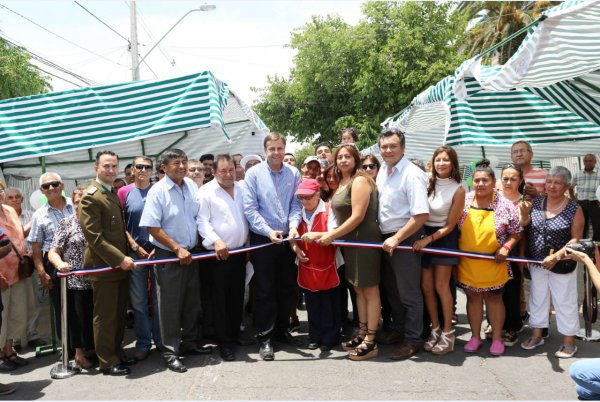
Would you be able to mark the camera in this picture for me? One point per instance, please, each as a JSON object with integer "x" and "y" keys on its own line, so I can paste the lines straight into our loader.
{"x": 585, "y": 246}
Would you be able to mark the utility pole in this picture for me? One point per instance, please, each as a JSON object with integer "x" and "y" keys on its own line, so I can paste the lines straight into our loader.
{"x": 133, "y": 45}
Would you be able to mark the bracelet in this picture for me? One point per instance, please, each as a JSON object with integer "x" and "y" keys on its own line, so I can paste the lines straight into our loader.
{"x": 433, "y": 237}
{"x": 507, "y": 246}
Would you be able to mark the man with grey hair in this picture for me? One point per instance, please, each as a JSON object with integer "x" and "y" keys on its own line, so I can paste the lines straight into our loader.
{"x": 43, "y": 225}
{"x": 587, "y": 182}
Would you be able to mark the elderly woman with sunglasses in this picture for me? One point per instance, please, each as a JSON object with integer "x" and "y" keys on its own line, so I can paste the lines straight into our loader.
{"x": 555, "y": 221}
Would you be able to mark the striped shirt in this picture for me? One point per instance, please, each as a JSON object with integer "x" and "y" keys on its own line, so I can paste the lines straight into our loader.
{"x": 537, "y": 177}
{"x": 269, "y": 200}
{"x": 45, "y": 221}
{"x": 586, "y": 184}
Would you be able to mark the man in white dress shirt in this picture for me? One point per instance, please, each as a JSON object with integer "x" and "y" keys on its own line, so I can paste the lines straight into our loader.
{"x": 403, "y": 209}
{"x": 223, "y": 226}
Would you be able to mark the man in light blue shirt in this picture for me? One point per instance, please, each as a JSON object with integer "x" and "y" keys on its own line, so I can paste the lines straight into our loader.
{"x": 170, "y": 216}
{"x": 273, "y": 213}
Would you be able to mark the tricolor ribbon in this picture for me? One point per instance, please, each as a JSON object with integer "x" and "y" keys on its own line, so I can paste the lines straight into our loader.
{"x": 339, "y": 243}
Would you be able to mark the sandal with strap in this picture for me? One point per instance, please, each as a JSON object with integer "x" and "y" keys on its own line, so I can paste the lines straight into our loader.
{"x": 433, "y": 339}
{"x": 357, "y": 340}
{"x": 366, "y": 350}
{"x": 445, "y": 344}
{"x": 566, "y": 351}
{"x": 16, "y": 359}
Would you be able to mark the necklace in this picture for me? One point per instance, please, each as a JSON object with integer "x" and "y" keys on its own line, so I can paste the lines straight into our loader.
{"x": 562, "y": 204}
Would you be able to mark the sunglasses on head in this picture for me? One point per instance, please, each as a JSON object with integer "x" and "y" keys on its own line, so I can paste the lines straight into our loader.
{"x": 54, "y": 184}
{"x": 369, "y": 166}
{"x": 141, "y": 166}
{"x": 195, "y": 169}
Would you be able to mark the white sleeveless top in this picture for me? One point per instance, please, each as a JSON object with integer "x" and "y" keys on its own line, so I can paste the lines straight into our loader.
{"x": 440, "y": 201}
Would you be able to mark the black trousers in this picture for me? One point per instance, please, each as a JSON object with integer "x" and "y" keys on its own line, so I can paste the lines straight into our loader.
{"x": 275, "y": 274}
{"x": 228, "y": 280}
{"x": 591, "y": 212}
{"x": 54, "y": 292}
{"x": 512, "y": 300}
{"x": 80, "y": 315}
{"x": 324, "y": 321}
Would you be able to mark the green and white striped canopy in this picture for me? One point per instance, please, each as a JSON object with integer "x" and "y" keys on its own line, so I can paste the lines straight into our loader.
{"x": 547, "y": 93}
{"x": 54, "y": 123}
{"x": 197, "y": 113}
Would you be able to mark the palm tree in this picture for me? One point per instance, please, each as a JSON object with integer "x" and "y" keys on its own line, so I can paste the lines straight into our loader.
{"x": 495, "y": 21}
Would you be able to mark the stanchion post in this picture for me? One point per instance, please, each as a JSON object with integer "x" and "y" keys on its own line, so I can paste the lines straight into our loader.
{"x": 62, "y": 369}
{"x": 587, "y": 333}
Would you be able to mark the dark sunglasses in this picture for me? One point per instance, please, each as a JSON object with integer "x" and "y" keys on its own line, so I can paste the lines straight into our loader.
{"x": 140, "y": 166}
{"x": 54, "y": 184}
{"x": 369, "y": 166}
{"x": 305, "y": 197}
{"x": 195, "y": 169}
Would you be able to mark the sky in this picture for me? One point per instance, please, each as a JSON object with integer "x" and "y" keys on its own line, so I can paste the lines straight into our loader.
{"x": 241, "y": 42}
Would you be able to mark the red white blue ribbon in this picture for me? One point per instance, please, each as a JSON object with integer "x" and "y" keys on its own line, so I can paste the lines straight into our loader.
{"x": 339, "y": 243}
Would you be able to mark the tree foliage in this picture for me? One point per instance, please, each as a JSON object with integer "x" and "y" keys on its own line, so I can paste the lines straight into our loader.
{"x": 497, "y": 21}
{"x": 347, "y": 75}
{"x": 18, "y": 77}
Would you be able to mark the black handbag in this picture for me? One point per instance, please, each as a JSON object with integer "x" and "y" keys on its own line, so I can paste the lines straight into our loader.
{"x": 26, "y": 265}
{"x": 561, "y": 267}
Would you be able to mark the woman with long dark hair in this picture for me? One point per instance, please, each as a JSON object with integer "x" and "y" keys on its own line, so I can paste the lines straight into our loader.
{"x": 355, "y": 204}
{"x": 446, "y": 202}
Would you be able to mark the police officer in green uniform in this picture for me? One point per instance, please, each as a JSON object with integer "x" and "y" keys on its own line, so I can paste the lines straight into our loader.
{"x": 101, "y": 218}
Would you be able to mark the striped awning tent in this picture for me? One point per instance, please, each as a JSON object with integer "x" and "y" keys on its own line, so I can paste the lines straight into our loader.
{"x": 548, "y": 93}
{"x": 198, "y": 113}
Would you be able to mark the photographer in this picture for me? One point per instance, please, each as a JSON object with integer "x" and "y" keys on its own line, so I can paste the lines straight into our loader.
{"x": 586, "y": 373}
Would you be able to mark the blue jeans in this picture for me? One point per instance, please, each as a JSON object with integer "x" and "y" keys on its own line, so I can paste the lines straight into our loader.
{"x": 146, "y": 329}
{"x": 586, "y": 374}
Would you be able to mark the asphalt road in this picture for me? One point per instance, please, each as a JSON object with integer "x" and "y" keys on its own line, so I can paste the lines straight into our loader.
{"x": 302, "y": 374}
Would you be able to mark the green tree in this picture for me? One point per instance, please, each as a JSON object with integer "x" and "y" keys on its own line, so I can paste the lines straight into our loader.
{"x": 346, "y": 75}
{"x": 18, "y": 77}
{"x": 498, "y": 20}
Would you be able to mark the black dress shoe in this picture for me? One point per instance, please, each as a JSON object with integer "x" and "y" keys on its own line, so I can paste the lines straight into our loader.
{"x": 313, "y": 346}
{"x": 34, "y": 343}
{"x": 326, "y": 348}
{"x": 227, "y": 353}
{"x": 174, "y": 364}
{"x": 200, "y": 350}
{"x": 119, "y": 369}
{"x": 288, "y": 339}
{"x": 266, "y": 350}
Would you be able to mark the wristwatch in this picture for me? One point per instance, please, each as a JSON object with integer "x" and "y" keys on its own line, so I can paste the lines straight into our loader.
{"x": 135, "y": 249}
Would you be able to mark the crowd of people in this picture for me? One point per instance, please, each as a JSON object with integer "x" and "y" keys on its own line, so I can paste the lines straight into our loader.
{"x": 297, "y": 219}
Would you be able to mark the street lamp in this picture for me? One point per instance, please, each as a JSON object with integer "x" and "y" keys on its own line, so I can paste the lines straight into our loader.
{"x": 136, "y": 64}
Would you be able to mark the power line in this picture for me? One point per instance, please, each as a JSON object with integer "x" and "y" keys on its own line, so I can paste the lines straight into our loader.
{"x": 61, "y": 37}
{"x": 99, "y": 20}
{"x": 56, "y": 76}
{"x": 161, "y": 48}
{"x": 49, "y": 63}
